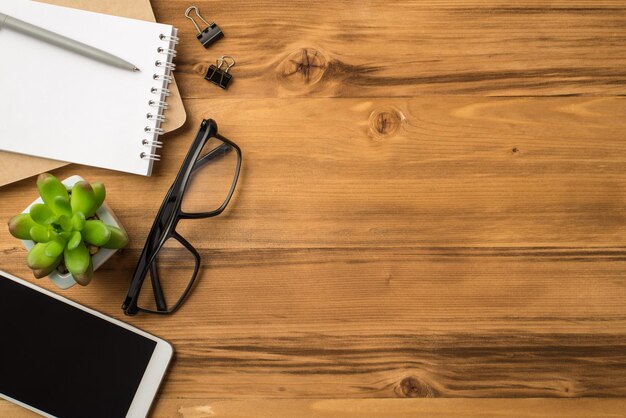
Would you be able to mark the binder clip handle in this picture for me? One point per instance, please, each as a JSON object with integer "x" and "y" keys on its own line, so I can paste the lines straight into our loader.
{"x": 228, "y": 60}
{"x": 210, "y": 34}
{"x": 188, "y": 11}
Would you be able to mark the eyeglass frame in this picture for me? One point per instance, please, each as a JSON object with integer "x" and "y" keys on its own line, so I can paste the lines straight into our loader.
{"x": 168, "y": 216}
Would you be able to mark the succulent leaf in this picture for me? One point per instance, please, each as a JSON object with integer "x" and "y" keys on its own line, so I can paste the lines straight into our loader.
{"x": 77, "y": 260}
{"x": 37, "y": 258}
{"x": 84, "y": 278}
{"x": 75, "y": 239}
{"x": 61, "y": 206}
{"x": 40, "y": 233}
{"x": 99, "y": 192}
{"x": 96, "y": 233}
{"x": 20, "y": 225}
{"x": 83, "y": 199}
{"x": 51, "y": 188}
{"x": 39, "y": 273}
{"x": 65, "y": 222}
{"x": 78, "y": 221}
{"x": 42, "y": 214}
{"x": 118, "y": 238}
{"x": 55, "y": 247}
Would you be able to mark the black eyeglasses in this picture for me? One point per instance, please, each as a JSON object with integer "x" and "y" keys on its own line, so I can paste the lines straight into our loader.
{"x": 169, "y": 264}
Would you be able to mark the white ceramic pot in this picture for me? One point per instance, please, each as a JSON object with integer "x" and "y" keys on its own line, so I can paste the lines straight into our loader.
{"x": 65, "y": 281}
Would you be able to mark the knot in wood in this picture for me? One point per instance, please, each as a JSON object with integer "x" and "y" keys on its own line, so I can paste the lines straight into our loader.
{"x": 384, "y": 122}
{"x": 201, "y": 68}
{"x": 411, "y": 387}
{"x": 305, "y": 66}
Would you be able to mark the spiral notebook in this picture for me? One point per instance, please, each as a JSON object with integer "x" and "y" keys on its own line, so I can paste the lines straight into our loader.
{"x": 59, "y": 105}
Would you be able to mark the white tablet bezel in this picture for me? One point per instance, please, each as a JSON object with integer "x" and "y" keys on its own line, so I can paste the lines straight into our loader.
{"x": 151, "y": 380}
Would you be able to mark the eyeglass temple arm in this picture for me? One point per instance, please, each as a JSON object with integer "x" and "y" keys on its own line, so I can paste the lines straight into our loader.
{"x": 212, "y": 155}
{"x": 159, "y": 297}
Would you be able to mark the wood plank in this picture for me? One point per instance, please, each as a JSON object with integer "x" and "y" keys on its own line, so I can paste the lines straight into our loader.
{"x": 389, "y": 323}
{"x": 435, "y": 171}
{"x": 361, "y": 48}
{"x": 352, "y": 408}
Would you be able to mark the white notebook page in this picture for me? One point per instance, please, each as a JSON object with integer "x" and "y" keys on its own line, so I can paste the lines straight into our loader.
{"x": 60, "y": 105}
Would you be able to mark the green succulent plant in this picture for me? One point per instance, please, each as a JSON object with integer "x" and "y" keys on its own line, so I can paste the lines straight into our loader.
{"x": 63, "y": 226}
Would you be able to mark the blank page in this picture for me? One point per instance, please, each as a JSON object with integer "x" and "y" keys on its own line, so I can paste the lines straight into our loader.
{"x": 60, "y": 105}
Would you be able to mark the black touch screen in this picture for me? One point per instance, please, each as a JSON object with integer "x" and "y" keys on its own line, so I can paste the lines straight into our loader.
{"x": 65, "y": 361}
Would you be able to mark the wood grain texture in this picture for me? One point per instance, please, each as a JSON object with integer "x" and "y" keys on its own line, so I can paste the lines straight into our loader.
{"x": 431, "y": 206}
{"x": 357, "y": 408}
{"x": 349, "y": 408}
{"x": 431, "y": 261}
{"x": 408, "y": 48}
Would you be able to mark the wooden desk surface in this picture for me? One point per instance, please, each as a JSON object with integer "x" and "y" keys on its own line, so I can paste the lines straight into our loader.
{"x": 432, "y": 205}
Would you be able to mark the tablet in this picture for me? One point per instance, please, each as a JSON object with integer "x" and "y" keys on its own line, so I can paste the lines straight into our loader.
{"x": 61, "y": 359}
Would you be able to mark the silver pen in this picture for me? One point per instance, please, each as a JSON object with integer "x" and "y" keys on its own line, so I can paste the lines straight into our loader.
{"x": 64, "y": 42}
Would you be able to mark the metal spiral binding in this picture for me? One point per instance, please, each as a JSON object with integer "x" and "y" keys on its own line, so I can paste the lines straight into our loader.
{"x": 158, "y": 131}
{"x": 167, "y": 51}
{"x": 149, "y": 143}
{"x": 158, "y": 104}
{"x": 170, "y": 66}
{"x": 160, "y": 91}
{"x": 167, "y": 38}
{"x": 167, "y": 78}
{"x": 159, "y": 118}
{"x": 148, "y": 156}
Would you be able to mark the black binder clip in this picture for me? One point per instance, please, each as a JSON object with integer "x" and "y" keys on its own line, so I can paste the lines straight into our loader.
{"x": 208, "y": 36}
{"x": 220, "y": 77}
